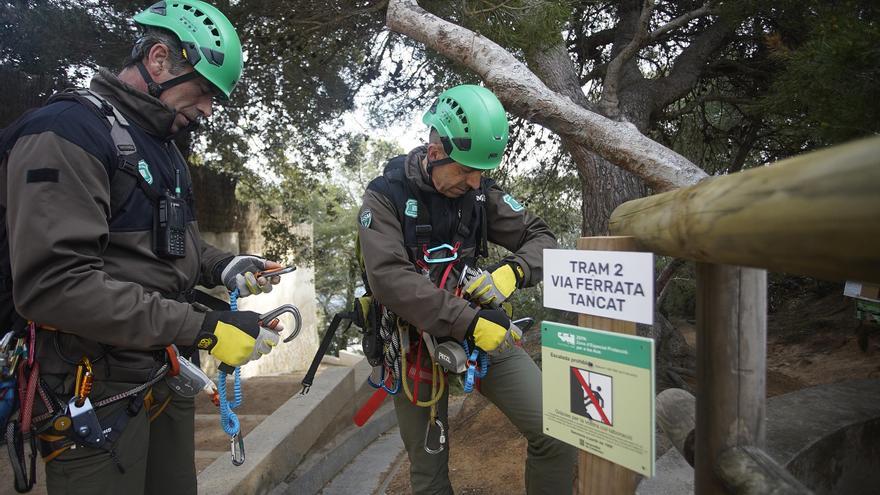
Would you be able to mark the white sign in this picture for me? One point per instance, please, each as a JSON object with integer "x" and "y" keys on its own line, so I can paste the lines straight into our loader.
{"x": 610, "y": 284}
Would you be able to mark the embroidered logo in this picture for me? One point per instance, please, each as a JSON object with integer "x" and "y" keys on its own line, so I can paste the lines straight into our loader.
{"x": 366, "y": 218}
{"x": 412, "y": 208}
{"x": 514, "y": 204}
{"x": 144, "y": 169}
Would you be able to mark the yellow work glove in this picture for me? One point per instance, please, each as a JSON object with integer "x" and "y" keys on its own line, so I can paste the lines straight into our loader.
{"x": 236, "y": 337}
{"x": 491, "y": 328}
{"x": 493, "y": 287}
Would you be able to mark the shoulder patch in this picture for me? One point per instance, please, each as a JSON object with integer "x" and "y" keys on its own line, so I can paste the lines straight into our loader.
{"x": 144, "y": 169}
{"x": 366, "y": 218}
{"x": 513, "y": 203}
{"x": 412, "y": 208}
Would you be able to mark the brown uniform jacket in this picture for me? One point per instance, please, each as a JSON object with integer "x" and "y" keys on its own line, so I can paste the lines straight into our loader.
{"x": 73, "y": 267}
{"x": 394, "y": 280}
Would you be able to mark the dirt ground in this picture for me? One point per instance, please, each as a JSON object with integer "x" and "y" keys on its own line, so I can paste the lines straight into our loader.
{"x": 812, "y": 340}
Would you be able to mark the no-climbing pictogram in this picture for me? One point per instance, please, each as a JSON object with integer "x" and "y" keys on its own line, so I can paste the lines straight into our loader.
{"x": 592, "y": 395}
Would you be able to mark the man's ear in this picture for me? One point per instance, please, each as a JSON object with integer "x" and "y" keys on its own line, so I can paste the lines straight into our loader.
{"x": 436, "y": 152}
{"x": 157, "y": 58}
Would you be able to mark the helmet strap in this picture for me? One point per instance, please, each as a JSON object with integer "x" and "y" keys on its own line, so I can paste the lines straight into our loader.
{"x": 437, "y": 163}
{"x": 155, "y": 89}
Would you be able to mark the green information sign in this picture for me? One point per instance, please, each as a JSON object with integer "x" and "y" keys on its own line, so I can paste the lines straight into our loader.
{"x": 599, "y": 393}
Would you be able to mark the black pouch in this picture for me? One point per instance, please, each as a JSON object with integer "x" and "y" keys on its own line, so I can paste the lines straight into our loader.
{"x": 169, "y": 227}
{"x": 367, "y": 311}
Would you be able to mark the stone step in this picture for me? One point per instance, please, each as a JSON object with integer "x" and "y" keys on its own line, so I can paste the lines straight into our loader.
{"x": 325, "y": 464}
{"x": 277, "y": 445}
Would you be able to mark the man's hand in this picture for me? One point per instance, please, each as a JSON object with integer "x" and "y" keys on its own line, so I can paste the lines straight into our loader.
{"x": 240, "y": 272}
{"x": 493, "y": 287}
{"x": 492, "y": 328}
{"x": 237, "y": 337}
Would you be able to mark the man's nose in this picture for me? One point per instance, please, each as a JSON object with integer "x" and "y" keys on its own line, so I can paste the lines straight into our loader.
{"x": 206, "y": 106}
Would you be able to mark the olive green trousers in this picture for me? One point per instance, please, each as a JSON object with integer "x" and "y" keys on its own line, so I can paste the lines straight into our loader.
{"x": 158, "y": 457}
{"x": 514, "y": 385}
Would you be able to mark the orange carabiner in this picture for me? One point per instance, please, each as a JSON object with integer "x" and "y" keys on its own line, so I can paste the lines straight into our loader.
{"x": 84, "y": 376}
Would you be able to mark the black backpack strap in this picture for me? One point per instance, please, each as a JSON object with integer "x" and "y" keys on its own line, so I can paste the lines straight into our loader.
{"x": 127, "y": 156}
{"x": 483, "y": 248}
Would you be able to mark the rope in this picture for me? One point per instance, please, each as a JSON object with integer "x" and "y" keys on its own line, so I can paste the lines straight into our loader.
{"x": 391, "y": 350}
{"x": 472, "y": 373}
{"x": 228, "y": 420}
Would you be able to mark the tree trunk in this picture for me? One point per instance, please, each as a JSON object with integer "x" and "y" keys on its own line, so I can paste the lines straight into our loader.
{"x": 604, "y": 187}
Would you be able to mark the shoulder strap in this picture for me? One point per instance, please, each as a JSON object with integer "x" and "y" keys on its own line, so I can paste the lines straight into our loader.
{"x": 414, "y": 216}
{"x": 127, "y": 157}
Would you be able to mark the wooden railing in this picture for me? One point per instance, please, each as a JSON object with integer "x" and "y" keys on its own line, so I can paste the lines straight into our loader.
{"x": 816, "y": 214}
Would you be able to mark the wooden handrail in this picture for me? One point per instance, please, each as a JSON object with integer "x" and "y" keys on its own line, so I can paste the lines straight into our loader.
{"x": 815, "y": 214}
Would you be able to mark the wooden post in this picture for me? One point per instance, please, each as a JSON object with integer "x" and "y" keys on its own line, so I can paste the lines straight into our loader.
{"x": 595, "y": 475}
{"x": 731, "y": 366}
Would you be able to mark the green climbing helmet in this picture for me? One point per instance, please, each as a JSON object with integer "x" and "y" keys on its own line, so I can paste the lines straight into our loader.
{"x": 209, "y": 40}
{"x": 472, "y": 124}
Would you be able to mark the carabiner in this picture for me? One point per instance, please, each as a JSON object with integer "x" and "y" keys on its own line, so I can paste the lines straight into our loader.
{"x": 280, "y": 310}
{"x": 237, "y": 454}
{"x": 440, "y": 260}
{"x": 441, "y": 438}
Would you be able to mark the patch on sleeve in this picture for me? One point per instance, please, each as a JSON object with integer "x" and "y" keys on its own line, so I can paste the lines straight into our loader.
{"x": 514, "y": 204}
{"x": 42, "y": 175}
{"x": 366, "y": 218}
{"x": 412, "y": 208}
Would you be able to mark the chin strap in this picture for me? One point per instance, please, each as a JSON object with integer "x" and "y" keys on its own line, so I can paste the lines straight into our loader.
{"x": 155, "y": 89}
{"x": 437, "y": 163}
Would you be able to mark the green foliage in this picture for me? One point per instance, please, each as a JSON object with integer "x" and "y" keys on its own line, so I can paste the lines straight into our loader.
{"x": 828, "y": 89}
{"x": 334, "y": 216}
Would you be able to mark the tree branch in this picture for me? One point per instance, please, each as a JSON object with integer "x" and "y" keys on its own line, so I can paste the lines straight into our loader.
{"x": 610, "y": 104}
{"x": 526, "y": 96}
{"x": 693, "y": 104}
{"x": 681, "y": 21}
{"x": 689, "y": 65}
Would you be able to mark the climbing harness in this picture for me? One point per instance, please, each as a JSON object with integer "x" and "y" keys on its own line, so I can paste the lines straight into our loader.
{"x": 64, "y": 425}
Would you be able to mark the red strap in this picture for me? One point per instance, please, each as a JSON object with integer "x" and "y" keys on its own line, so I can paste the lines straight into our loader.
{"x": 419, "y": 374}
{"x": 415, "y": 395}
{"x": 366, "y": 411}
{"x": 27, "y": 394}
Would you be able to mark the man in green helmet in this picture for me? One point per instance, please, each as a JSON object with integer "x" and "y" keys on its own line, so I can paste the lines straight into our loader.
{"x": 424, "y": 225}
{"x": 104, "y": 253}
